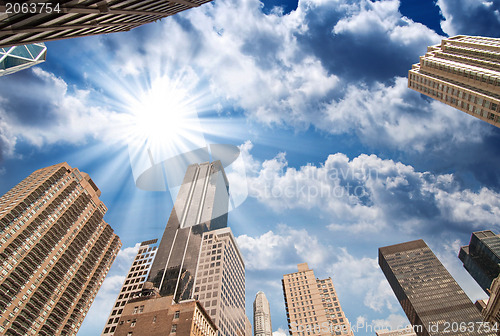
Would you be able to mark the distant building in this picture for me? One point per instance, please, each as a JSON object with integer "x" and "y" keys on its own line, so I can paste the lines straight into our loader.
{"x": 262, "y": 316}
{"x": 133, "y": 283}
{"x": 399, "y": 332}
{"x": 463, "y": 72}
{"x": 428, "y": 294}
{"x": 312, "y": 305}
{"x": 44, "y": 20}
{"x": 154, "y": 315}
{"x": 481, "y": 258}
{"x": 55, "y": 249}
{"x": 13, "y": 59}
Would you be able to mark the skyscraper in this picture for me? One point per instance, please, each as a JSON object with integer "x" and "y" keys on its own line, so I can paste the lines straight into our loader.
{"x": 203, "y": 193}
{"x": 262, "y": 316}
{"x": 481, "y": 258}
{"x": 41, "y": 21}
{"x": 428, "y": 294}
{"x": 463, "y": 72}
{"x": 55, "y": 251}
{"x": 133, "y": 283}
{"x": 312, "y": 305}
{"x": 13, "y": 59}
{"x": 220, "y": 282}
{"x": 198, "y": 258}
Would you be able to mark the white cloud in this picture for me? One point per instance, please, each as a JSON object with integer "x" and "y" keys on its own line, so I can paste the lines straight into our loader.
{"x": 280, "y": 250}
{"x": 362, "y": 276}
{"x": 62, "y": 115}
{"x": 470, "y": 17}
{"x": 280, "y": 332}
{"x": 368, "y": 193}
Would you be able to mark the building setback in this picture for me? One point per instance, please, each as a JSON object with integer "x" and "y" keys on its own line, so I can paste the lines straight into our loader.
{"x": 312, "y": 305}
{"x": 432, "y": 300}
{"x": 463, "y": 72}
{"x": 154, "y": 315}
{"x": 481, "y": 258}
{"x": 262, "y": 316}
{"x": 54, "y": 20}
{"x": 55, "y": 250}
{"x": 133, "y": 283}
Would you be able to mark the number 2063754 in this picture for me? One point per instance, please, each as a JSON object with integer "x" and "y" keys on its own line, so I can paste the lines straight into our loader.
{"x": 32, "y": 8}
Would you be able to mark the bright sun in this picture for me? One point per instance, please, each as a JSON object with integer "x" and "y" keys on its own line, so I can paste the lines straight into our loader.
{"x": 165, "y": 119}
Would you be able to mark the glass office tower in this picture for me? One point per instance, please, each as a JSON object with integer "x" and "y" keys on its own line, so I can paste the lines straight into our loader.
{"x": 481, "y": 258}
{"x": 432, "y": 300}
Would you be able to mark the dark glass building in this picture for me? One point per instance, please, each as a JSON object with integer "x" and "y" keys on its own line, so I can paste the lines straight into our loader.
{"x": 432, "y": 300}
{"x": 481, "y": 258}
{"x": 201, "y": 206}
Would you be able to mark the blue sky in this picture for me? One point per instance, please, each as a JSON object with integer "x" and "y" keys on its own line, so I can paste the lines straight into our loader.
{"x": 341, "y": 157}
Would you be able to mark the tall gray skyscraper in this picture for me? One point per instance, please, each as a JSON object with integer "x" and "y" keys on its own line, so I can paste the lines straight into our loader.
{"x": 432, "y": 300}
{"x": 201, "y": 206}
{"x": 262, "y": 316}
{"x": 481, "y": 258}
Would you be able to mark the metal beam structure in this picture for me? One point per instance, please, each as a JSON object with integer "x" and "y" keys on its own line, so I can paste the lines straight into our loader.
{"x": 77, "y": 18}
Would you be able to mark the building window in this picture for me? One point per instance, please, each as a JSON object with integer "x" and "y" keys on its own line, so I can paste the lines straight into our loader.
{"x": 176, "y": 315}
{"x": 133, "y": 323}
{"x": 174, "y": 328}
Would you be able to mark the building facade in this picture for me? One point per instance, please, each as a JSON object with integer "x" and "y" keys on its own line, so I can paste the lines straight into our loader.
{"x": 54, "y": 20}
{"x": 55, "y": 251}
{"x": 312, "y": 305}
{"x": 491, "y": 312}
{"x": 13, "y": 59}
{"x": 428, "y": 294}
{"x": 220, "y": 282}
{"x": 154, "y": 315}
{"x": 481, "y": 258}
{"x": 204, "y": 191}
{"x": 197, "y": 257}
{"x": 262, "y": 316}
{"x": 463, "y": 72}
{"x": 133, "y": 283}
